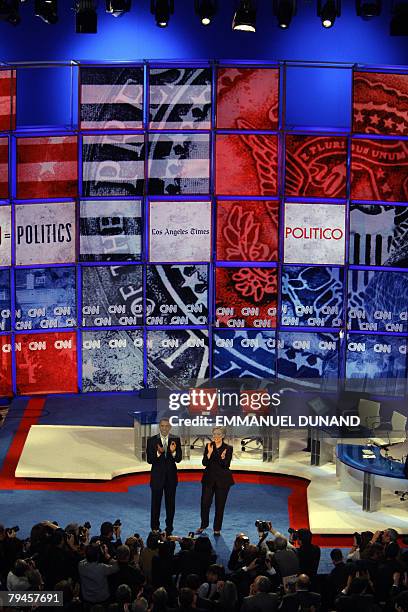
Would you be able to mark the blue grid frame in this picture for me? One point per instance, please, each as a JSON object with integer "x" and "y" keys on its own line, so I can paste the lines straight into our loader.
{"x": 283, "y": 129}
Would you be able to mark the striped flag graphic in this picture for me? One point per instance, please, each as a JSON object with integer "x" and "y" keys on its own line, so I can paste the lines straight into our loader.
{"x": 113, "y": 165}
{"x": 111, "y": 230}
{"x": 7, "y": 100}
{"x": 179, "y": 164}
{"x": 111, "y": 98}
{"x": 4, "y": 188}
{"x": 180, "y": 98}
{"x": 47, "y": 167}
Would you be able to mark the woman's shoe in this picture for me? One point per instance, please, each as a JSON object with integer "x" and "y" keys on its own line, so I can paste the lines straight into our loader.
{"x": 217, "y": 533}
{"x": 200, "y": 530}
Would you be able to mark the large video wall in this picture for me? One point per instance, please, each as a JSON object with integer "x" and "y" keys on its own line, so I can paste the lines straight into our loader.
{"x": 181, "y": 228}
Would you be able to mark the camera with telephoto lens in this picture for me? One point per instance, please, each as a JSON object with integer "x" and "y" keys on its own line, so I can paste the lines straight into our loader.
{"x": 83, "y": 531}
{"x": 8, "y": 530}
{"x": 262, "y": 526}
{"x": 117, "y": 523}
{"x": 293, "y": 534}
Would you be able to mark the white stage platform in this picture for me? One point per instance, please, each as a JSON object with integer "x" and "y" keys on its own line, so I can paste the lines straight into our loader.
{"x": 102, "y": 453}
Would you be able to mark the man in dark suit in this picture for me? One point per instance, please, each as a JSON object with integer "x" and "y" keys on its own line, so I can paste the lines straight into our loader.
{"x": 260, "y": 598}
{"x": 163, "y": 452}
{"x": 302, "y": 599}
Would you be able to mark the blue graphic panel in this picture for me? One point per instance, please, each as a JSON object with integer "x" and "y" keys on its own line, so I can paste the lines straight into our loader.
{"x": 312, "y": 296}
{"x": 246, "y": 353}
{"x": 5, "y": 303}
{"x": 376, "y": 364}
{"x": 45, "y": 298}
{"x": 377, "y": 301}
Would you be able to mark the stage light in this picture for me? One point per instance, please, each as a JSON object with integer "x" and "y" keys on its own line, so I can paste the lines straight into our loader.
{"x": 328, "y": 10}
{"x": 368, "y": 8}
{"x": 162, "y": 9}
{"x": 9, "y": 11}
{"x": 206, "y": 10}
{"x": 86, "y": 17}
{"x": 284, "y": 11}
{"x": 47, "y": 10}
{"x": 245, "y": 17}
{"x": 399, "y": 19}
{"x": 117, "y": 8}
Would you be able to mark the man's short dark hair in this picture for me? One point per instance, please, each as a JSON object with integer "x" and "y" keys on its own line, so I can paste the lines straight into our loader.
{"x": 92, "y": 553}
{"x": 123, "y": 553}
{"x": 305, "y": 536}
{"x": 106, "y": 528}
{"x": 20, "y": 568}
{"x": 336, "y": 555}
{"x": 218, "y": 570}
{"x": 186, "y": 597}
{"x": 263, "y": 584}
{"x": 193, "y": 582}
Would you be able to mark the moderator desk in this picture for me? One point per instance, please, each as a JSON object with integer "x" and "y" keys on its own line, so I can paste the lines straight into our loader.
{"x": 356, "y": 472}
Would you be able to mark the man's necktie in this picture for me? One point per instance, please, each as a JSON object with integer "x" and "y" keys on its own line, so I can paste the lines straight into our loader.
{"x": 165, "y": 445}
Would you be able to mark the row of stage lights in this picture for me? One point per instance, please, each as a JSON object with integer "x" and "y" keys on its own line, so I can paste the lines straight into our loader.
{"x": 244, "y": 18}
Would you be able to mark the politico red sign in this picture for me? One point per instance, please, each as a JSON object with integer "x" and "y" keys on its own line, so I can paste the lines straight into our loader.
{"x": 314, "y": 233}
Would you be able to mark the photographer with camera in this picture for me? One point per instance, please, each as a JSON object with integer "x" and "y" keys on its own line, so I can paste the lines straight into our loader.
{"x": 61, "y": 562}
{"x": 11, "y": 548}
{"x": 108, "y": 532}
{"x": 94, "y": 571}
{"x": 308, "y": 553}
{"x": 127, "y": 574}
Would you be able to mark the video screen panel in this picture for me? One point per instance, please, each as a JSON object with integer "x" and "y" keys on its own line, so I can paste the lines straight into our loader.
{"x": 177, "y": 295}
{"x": 111, "y": 98}
{"x": 378, "y": 235}
{"x": 36, "y": 356}
{"x": 176, "y": 357}
{"x": 112, "y": 360}
{"x": 112, "y": 295}
{"x": 246, "y": 297}
{"x": 376, "y": 364}
{"x": 314, "y": 233}
{"x": 47, "y": 167}
{"x": 377, "y": 301}
{"x": 244, "y": 354}
{"x": 45, "y": 233}
{"x": 4, "y": 172}
{"x": 5, "y": 235}
{"x": 380, "y": 103}
{"x": 179, "y": 231}
{"x": 311, "y": 359}
{"x": 312, "y": 296}
{"x": 7, "y": 100}
{"x": 379, "y": 169}
{"x": 45, "y": 298}
{"x": 111, "y": 230}
{"x": 246, "y": 165}
{"x": 5, "y": 301}
{"x": 180, "y": 98}
{"x": 247, "y": 230}
{"x": 6, "y": 385}
{"x": 179, "y": 164}
{"x": 316, "y": 166}
{"x": 113, "y": 165}
{"x": 248, "y": 98}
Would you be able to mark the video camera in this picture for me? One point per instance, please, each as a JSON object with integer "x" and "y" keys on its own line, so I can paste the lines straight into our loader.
{"x": 262, "y": 526}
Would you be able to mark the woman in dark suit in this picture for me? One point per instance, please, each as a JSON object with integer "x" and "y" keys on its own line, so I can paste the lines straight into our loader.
{"x": 217, "y": 480}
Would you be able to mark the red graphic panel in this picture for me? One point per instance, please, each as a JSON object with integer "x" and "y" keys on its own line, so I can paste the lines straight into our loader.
{"x": 247, "y": 231}
{"x": 4, "y": 189}
{"x": 6, "y": 389}
{"x": 316, "y": 166}
{"x": 379, "y": 170}
{"x": 380, "y": 103}
{"x": 246, "y": 297}
{"x": 7, "y": 100}
{"x": 247, "y": 98}
{"x": 46, "y": 363}
{"x": 246, "y": 164}
{"x": 47, "y": 167}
